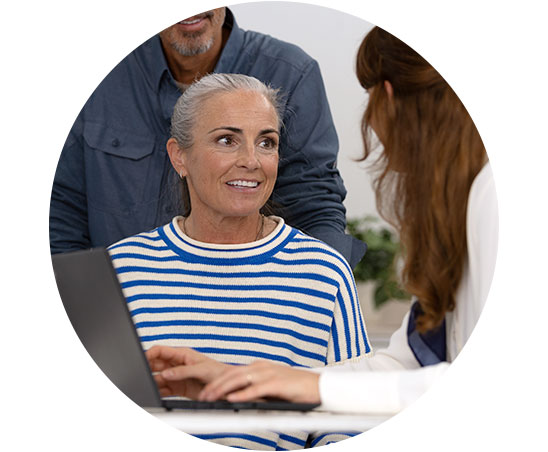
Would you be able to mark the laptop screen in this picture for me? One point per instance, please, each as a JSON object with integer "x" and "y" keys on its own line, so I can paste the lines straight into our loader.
{"x": 96, "y": 307}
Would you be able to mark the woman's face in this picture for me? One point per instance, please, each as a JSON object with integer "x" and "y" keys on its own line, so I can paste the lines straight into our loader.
{"x": 231, "y": 167}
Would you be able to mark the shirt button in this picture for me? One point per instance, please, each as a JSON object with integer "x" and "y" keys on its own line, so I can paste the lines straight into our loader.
{"x": 116, "y": 142}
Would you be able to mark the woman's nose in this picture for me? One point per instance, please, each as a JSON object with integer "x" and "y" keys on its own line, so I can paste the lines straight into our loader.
{"x": 248, "y": 157}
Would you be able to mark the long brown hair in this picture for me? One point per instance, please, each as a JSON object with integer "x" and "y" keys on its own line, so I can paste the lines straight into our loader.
{"x": 432, "y": 153}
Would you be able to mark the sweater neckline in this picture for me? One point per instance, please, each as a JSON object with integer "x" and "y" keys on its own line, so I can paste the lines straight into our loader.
{"x": 193, "y": 250}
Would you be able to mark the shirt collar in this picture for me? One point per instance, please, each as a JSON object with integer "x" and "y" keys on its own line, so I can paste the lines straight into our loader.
{"x": 155, "y": 62}
{"x": 232, "y": 46}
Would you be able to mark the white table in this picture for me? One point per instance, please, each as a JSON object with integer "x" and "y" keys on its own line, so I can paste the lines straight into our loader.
{"x": 210, "y": 421}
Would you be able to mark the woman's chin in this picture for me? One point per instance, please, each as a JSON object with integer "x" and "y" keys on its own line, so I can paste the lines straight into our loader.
{"x": 244, "y": 210}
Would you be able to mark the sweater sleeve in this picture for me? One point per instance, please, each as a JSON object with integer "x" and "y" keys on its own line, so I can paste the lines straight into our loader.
{"x": 348, "y": 343}
{"x": 348, "y": 339}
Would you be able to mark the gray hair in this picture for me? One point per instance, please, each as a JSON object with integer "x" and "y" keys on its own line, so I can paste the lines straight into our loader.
{"x": 188, "y": 105}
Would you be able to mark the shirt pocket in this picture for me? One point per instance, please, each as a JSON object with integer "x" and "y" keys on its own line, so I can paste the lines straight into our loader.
{"x": 123, "y": 170}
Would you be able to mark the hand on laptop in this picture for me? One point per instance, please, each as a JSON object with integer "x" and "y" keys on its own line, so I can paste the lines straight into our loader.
{"x": 182, "y": 371}
{"x": 188, "y": 373}
{"x": 263, "y": 379}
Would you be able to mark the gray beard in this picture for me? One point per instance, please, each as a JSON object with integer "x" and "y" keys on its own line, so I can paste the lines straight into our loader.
{"x": 193, "y": 50}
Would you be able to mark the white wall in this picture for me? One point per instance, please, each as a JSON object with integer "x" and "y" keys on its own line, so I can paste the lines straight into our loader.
{"x": 332, "y": 38}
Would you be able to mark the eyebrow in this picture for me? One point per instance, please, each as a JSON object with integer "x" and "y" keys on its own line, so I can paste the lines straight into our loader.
{"x": 236, "y": 130}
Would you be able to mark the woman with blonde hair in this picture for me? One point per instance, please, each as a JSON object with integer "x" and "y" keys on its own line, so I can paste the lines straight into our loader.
{"x": 434, "y": 184}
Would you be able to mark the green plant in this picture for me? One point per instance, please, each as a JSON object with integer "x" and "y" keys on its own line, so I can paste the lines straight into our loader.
{"x": 378, "y": 264}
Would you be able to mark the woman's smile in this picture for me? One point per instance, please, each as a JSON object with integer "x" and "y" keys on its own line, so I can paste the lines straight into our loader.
{"x": 243, "y": 184}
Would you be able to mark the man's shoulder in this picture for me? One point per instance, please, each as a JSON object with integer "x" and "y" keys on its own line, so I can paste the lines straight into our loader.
{"x": 267, "y": 47}
{"x": 140, "y": 65}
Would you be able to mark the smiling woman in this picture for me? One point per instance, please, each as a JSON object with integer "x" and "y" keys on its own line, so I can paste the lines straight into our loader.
{"x": 223, "y": 278}
{"x": 231, "y": 163}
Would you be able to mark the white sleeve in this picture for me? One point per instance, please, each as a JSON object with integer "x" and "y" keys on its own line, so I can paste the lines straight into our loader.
{"x": 482, "y": 235}
{"x": 375, "y": 392}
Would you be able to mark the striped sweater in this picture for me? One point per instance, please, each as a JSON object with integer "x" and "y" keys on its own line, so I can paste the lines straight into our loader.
{"x": 287, "y": 298}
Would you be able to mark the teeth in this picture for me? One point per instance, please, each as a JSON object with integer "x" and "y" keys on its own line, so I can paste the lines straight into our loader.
{"x": 190, "y": 22}
{"x": 242, "y": 183}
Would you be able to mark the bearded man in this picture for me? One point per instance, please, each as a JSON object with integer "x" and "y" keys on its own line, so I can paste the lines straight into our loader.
{"x": 114, "y": 178}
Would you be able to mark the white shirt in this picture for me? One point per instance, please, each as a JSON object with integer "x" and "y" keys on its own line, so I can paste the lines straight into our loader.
{"x": 398, "y": 378}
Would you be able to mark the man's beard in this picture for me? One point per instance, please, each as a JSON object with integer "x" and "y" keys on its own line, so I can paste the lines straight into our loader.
{"x": 193, "y": 47}
{"x": 193, "y": 43}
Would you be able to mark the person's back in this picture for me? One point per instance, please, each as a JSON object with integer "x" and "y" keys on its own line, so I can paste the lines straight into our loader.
{"x": 436, "y": 187}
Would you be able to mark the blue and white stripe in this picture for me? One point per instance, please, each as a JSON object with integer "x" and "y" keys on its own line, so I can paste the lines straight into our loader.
{"x": 287, "y": 298}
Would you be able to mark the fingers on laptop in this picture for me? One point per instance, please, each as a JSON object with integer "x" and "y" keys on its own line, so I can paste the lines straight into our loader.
{"x": 174, "y": 356}
{"x": 247, "y": 379}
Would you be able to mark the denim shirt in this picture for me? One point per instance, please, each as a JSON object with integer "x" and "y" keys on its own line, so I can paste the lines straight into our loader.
{"x": 114, "y": 178}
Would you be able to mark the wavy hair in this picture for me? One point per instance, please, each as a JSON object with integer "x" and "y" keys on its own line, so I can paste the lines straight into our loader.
{"x": 432, "y": 153}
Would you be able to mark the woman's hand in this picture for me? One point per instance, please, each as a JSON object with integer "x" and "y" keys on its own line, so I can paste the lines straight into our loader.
{"x": 182, "y": 371}
{"x": 263, "y": 379}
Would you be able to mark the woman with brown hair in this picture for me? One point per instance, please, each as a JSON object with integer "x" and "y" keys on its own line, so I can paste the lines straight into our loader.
{"x": 434, "y": 184}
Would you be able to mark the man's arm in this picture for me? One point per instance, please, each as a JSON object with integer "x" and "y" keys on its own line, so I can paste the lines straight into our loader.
{"x": 309, "y": 186}
{"x": 68, "y": 226}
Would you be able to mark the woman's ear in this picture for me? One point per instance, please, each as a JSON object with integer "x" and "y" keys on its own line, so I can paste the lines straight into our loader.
{"x": 176, "y": 156}
{"x": 389, "y": 90}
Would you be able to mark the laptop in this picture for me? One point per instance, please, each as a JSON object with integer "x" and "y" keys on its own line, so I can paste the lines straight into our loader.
{"x": 97, "y": 309}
